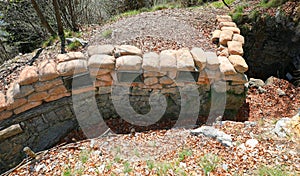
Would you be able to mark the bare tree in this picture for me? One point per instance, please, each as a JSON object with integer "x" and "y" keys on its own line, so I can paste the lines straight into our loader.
{"x": 59, "y": 25}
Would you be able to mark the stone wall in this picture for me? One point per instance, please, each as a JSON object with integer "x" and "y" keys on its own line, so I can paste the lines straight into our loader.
{"x": 58, "y": 95}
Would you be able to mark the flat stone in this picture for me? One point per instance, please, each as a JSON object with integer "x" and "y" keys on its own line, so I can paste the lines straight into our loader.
{"x": 38, "y": 96}
{"x": 17, "y": 91}
{"x": 225, "y": 66}
{"x": 156, "y": 86}
{"x": 3, "y": 104}
{"x": 235, "y": 30}
{"x": 224, "y": 18}
{"x": 100, "y": 49}
{"x": 72, "y": 67}
{"x": 27, "y": 106}
{"x": 151, "y": 81}
{"x": 10, "y": 131}
{"x": 213, "y": 62}
{"x": 154, "y": 74}
{"x": 199, "y": 57}
{"x": 47, "y": 70}
{"x": 105, "y": 78}
{"x": 83, "y": 90}
{"x": 28, "y": 75}
{"x": 124, "y": 50}
{"x": 151, "y": 62}
{"x": 57, "y": 97}
{"x": 129, "y": 63}
{"x": 237, "y": 78}
{"x": 168, "y": 61}
{"x": 46, "y": 85}
{"x": 97, "y": 72}
{"x": 227, "y": 24}
{"x": 239, "y": 63}
{"x": 166, "y": 80}
{"x": 102, "y": 61}
{"x": 216, "y": 36}
{"x": 58, "y": 90}
{"x": 235, "y": 48}
{"x": 238, "y": 38}
{"x": 185, "y": 61}
{"x": 13, "y": 103}
{"x": 98, "y": 83}
{"x": 5, "y": 115}
{"x": 104, "y": 90}
{"x": 70, "y": 56}
{"x": 225, "y": 36}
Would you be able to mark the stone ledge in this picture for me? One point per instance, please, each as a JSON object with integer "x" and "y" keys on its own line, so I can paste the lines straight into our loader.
{"x": 10, "y": 131}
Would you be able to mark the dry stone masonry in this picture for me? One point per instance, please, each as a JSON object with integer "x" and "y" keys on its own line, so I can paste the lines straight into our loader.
{"x": 37, "y": 109}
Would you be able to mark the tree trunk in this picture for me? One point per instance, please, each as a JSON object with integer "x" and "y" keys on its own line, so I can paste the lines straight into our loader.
{"x": 42, "y": 18}
{"x": 59, "y": 26}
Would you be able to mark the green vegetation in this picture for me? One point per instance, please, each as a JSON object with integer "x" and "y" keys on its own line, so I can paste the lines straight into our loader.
{"x": 150, "y": 164}
{"x": 67, "y": 172}
{"x": 272, "y": 171}
{"x": 127, "y": 167}
{"x": 107, "y": 33}
{"x": 209, "y": 162}
{"x": 272, "y": 3}
{"x": 74, "y": 46}
{"x": 184, "y": 153}
{"x": 220, "y": 4}
{"x": 84, "y": 156}
{"x": 50, "y": 41}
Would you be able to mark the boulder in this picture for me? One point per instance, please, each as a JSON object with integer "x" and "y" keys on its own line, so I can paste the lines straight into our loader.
{"x": 238, "y": 78}
{"x": 213, "y": 62}
{"x": 225, "y": 66}
{"x": 168, "y": 61}
{"x": 166, "y": 80}
{"x": 124, "y": 50}
{"x": 227, "y": 24}
{"x": 235, "y": 48}
{"x": 129, "y": 63}
{"x": 102, "y": 61}
{"x": 216, "y": 36}
{"x": 199, "y": 57}
{"x": 224, "y": 18}
{"x": 70, "y": 56}
{"x": 239, "y": 63}
{"x": 185, "y": 61}
{"x": 225, "y": 36}
{"x": 72, "y": 67}
{"x": 28, "y": 75}
{"x": 151, "y": 62}
{"x": 235, "y": 30}
{"x": 238, "y": 38}
{"x": 47, "y": 70}
{"x": 256, "y": 83}
{"x": 101, "y": 49}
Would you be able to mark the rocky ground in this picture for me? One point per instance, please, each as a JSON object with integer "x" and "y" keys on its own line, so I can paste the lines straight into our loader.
{"x": 250, "y": 148}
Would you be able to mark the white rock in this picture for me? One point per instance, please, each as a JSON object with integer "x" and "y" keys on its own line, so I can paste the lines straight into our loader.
{"x": 251, "y": 143}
